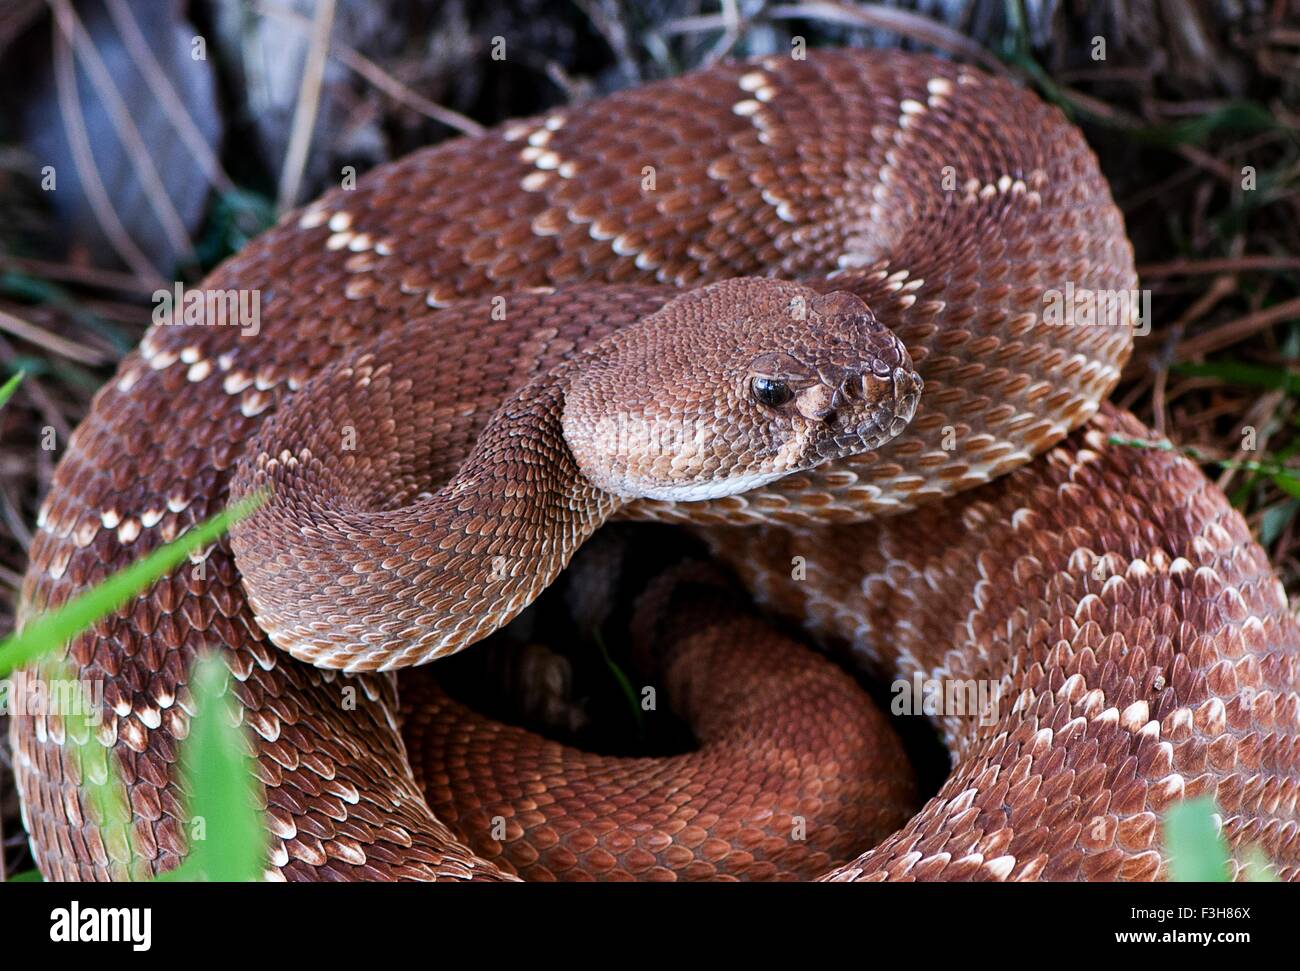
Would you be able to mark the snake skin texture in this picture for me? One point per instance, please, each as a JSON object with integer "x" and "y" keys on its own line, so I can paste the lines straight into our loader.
{"x": 367, "y": 555}
{"x": 1148, "y": 654}
{"x": 1141, "y": 648}
{"x": 727, "y": 810}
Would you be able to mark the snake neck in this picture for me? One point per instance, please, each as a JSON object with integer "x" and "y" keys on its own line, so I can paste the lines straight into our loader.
{"x": 360, "y": 520}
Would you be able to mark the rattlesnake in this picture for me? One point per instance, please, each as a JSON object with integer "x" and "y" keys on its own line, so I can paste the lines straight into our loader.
{"x": 469, "y": 360}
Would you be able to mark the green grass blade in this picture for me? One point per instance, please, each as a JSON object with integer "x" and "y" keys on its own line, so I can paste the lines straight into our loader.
{"x": 1244, "y": 374}
{"x": 624, "y": 684}
{"x": 102, "y": 785}
{"x": 27, "y": 876}
{"x": 226, "y": 837}
{"x": 49, "y": 631}
{"x": 68, "y": 704}
{"x": 1285, "y": 478}
{"x": 9, "y": 387}
{"x": 1288, "y": 482}
{"x": 1274, "y": 520}
{"x": 1237, "y": 117}
{"x": 227, "y": 840}
{"x": 187, "y": 872}
{"x": 1258, "y": 869}
{"x": 1197, "y": 853}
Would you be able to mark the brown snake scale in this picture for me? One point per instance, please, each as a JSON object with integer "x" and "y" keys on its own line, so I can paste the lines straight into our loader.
{"x": 454, "y": 362}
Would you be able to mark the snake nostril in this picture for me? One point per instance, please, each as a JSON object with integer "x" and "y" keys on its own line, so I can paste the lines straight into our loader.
{"x": 852, "y": 387}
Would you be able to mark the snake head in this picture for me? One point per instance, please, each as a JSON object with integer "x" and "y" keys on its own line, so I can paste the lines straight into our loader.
{"x": 735, "y": 385}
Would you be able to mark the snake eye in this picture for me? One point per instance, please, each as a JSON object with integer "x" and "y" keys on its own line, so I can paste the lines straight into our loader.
{"x": 771, "y": 392}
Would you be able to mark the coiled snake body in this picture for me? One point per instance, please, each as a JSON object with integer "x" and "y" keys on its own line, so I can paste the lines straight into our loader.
{"x": 469, "y": 361}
